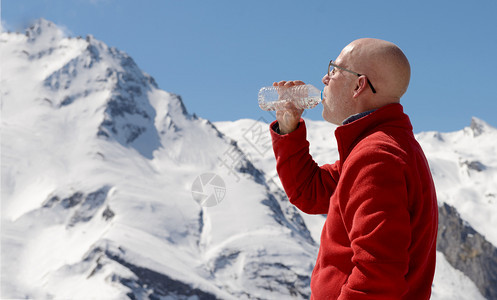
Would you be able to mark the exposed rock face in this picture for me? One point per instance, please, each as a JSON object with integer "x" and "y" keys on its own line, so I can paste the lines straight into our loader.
{"x": 467, "y": 250}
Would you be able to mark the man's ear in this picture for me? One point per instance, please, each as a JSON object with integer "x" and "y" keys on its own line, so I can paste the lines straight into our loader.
{"x": 361, "y": 86}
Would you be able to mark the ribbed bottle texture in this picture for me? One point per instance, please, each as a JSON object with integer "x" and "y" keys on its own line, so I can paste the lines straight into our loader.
{"x": 275, "y": 97}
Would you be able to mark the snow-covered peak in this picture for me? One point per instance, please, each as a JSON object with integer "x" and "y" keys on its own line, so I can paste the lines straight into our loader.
{"x": 479, "y": 127}
{"x": 44, "y": 33}
{"x": 48, "y": 70}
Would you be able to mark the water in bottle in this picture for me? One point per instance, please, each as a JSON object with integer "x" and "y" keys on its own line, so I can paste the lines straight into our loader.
{"x": 302, "y": 96}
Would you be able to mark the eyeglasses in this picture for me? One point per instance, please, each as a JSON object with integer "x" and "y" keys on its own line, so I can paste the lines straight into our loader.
{"x": 332, "y": 65}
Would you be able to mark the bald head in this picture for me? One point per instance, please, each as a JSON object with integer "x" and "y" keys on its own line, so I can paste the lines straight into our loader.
{"x": 383, "y": 62}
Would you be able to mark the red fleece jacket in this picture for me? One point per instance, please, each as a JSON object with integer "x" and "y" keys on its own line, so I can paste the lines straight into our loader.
{"x": 379, "y": 238}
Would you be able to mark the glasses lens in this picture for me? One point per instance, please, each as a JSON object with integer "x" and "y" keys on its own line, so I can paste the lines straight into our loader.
{"x": 330, "y": 69}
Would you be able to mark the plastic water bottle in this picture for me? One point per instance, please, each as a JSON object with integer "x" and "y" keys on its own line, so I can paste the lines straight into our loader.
{"x": 302, "y": 96}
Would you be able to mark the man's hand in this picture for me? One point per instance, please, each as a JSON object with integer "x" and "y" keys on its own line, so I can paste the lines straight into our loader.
{"x": 289, "y": 117}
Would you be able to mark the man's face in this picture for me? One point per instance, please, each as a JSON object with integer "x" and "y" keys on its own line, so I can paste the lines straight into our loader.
{"x": 337, "y": 94}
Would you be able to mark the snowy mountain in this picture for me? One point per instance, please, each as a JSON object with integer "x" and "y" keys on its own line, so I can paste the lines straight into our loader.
{"x": 103, "y": 174}
{"x": 98, "y": 165}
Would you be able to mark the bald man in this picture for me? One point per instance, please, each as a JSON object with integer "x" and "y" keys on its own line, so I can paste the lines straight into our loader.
{"x": 379, "y": 238}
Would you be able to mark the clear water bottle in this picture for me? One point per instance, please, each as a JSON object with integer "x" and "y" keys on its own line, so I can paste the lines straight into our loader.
{"x": 275, "y": 97}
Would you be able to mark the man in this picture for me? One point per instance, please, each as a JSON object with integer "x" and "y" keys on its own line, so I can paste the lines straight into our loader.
{"x": 379, "y": 238}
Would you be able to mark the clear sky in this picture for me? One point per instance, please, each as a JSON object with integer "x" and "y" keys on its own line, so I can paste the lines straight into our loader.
{"x": 217, "y": 54}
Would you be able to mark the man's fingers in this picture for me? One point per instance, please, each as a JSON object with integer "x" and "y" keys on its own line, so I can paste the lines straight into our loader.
{"x": 288, "y": 83}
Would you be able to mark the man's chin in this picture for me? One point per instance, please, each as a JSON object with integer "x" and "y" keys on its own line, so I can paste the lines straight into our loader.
{"x": 325, "y": 116}
{"x": 328, "y": 119}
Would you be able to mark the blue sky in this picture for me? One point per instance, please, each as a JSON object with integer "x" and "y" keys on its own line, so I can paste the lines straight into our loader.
{"x": 217, "y": 54}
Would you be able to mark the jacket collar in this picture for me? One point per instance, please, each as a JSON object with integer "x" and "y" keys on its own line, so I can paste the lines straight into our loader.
{"x": 357, "y": 117}
{"x": 390, "y": 115}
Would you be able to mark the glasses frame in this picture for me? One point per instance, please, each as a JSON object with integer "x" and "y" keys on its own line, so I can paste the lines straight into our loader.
{"x": 332, "y": 64}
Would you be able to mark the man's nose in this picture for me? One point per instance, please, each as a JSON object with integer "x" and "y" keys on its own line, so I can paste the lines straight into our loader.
{"x": 326, "y": 79}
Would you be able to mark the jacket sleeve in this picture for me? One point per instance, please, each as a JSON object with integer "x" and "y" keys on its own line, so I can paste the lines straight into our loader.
{"x": 373, "y": 202}
{"x": 308, "y": 186}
